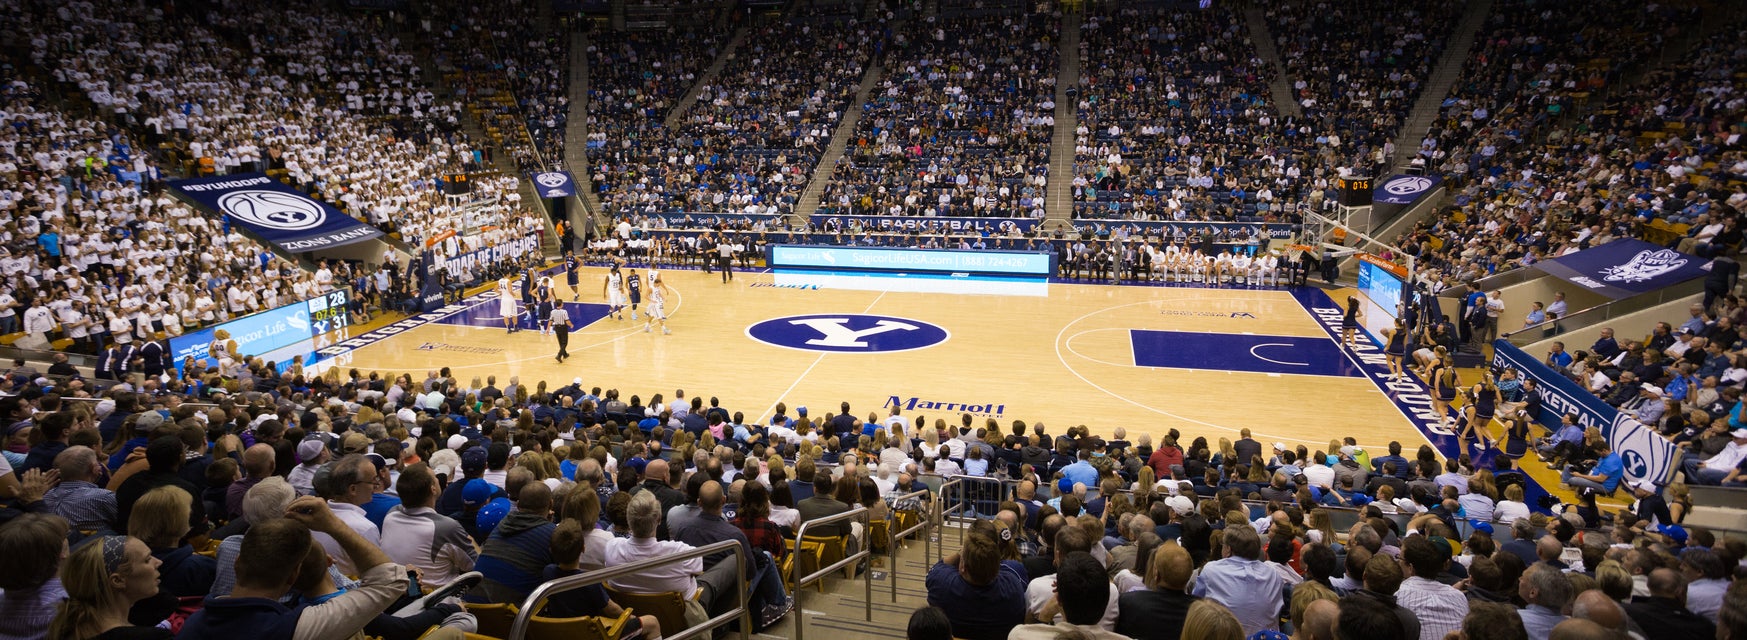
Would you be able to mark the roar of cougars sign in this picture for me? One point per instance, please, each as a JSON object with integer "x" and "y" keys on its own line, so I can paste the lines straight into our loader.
{"x": 1625, "y": 268}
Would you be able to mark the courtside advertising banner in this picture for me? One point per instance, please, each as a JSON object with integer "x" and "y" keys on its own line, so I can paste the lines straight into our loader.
{"x": 269, "y": 330}
{"x": 1646, "y": 454}
{"x": 553, "y": 184}
{"x": 1404, "y": 189}
{"x": 275, "y": 213}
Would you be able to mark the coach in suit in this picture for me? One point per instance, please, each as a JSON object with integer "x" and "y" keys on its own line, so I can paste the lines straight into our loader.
{"x": 1246, "y": 447}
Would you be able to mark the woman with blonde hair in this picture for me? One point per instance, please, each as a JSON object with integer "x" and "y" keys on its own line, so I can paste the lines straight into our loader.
{"x": 1144, "y": 486}
{"x": 103, "y": 580}
{"x": 160, "y": 520}
{"x": 931, "y": 441}
{"x": 1227, "y": 453}
{"x": 1322, "y": 529}
{"x": 1209, "y": 620}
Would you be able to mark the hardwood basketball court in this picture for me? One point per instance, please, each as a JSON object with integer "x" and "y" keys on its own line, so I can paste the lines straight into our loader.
{"x": 1148, "y": 358}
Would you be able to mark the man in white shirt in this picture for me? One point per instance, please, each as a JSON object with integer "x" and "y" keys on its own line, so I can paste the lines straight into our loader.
{"x": 348, "y": 485}
{"x": 415, "y": 535}
{"x": 1711, "y": 471}
{"x": 685, "y": 578}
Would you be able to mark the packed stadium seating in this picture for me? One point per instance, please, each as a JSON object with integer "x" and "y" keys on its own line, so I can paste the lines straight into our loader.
{"x": 959, "y": 125}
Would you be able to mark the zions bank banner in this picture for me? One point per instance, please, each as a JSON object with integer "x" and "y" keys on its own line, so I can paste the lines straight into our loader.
{"x": 553, "y": 184}
{"x": 1625, "y": 268}
{"x": 1646, "y": 454}
{"x": 275, "y": 213}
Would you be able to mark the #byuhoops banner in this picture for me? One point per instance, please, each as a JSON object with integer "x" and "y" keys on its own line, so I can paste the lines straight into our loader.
{"x": 553, "y": 184}
{"x": 275, "y": 213}
{"x": 1625, "y": 268}
{"x": 1404, "y": 189}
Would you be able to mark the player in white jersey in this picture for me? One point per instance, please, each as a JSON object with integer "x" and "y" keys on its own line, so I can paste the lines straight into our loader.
{"x": 1221, "y": 268}
{"x": 614, "y": 290}
{"x": 506, "y": 304}
{"x": 1240, "y": 268}
{"x": 657, "y": 303}
{"x": 1268, "y": 268}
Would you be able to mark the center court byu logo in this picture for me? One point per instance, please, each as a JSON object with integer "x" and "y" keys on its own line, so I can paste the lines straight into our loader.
{"x": 273, "y": 209}
{"x": 848, "y": 333}
{"x": 1644, "y": 266}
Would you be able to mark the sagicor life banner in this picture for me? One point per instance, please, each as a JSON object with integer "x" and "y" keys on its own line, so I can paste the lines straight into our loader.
{"x": 275, "y": 213}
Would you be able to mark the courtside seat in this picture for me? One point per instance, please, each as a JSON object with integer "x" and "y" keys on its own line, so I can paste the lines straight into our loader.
{"x": 579, "y": 628}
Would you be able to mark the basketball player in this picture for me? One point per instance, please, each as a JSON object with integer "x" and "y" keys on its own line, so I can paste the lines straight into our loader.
{"x": 506, "y": 301}
{"x": 543, "y": 305}
{"x": 657, "y": 304}
{"x": 571, "y": 276}
{"x": 634, "y": 287}
{"x": 1240, "y": 267}
{"x": 1268, "y": 268}
{"x": 530, "y": 299}
{"x": 614, "y": 291}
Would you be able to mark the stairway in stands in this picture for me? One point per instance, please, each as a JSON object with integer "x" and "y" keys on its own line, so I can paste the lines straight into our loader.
{"x": 1059, "y": 208}
{"x": 840, "y": 612}
{"x": 706, "y": 78}
{"x": 1444, "y": 77}
{"x": 576, "y": 127}
{"x": 809, "y": 201}
{"x": 1280, "y": 88}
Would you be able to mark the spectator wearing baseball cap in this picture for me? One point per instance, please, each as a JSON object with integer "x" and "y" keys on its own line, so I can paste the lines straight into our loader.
{"x": 144, "y": 424}
{"x": 312, "y": 454}
{"x": 472, "y": 467}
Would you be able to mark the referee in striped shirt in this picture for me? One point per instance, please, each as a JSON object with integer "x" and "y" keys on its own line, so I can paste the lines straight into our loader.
{"x": 561, "y": 328}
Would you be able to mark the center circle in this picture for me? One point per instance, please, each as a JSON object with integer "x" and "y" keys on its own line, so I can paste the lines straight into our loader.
{"x": 848, "y": 333}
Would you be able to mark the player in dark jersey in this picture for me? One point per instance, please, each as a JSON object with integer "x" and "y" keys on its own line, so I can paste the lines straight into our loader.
{"x": 571, "y": 265}
{"x": 634, "y": 287}
{"x": 543, "y": 309}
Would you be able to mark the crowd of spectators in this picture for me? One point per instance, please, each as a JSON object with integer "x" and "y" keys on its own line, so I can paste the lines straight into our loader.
{"x": 93, "y": 256}
{"x": 752, "y": 138}
{"x": 176, "y": 510}
{"x": 1540, "y": 167}
{"x": 1176, "y": 123}
{"x": 1359, "y": 78}
{"x": 960, "y": 123}
{"x": 513, "y": 79}
{"x": 635, "y": 79}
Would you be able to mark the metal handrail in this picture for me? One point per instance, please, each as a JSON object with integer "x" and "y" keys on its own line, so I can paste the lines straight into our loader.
{"x": 537, "y": 600}
{"x": 802, "y": 582}
{"x": 1603, "y": 312}
{"x": 896, "y": 535}
{"x": 940, "y": 509}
